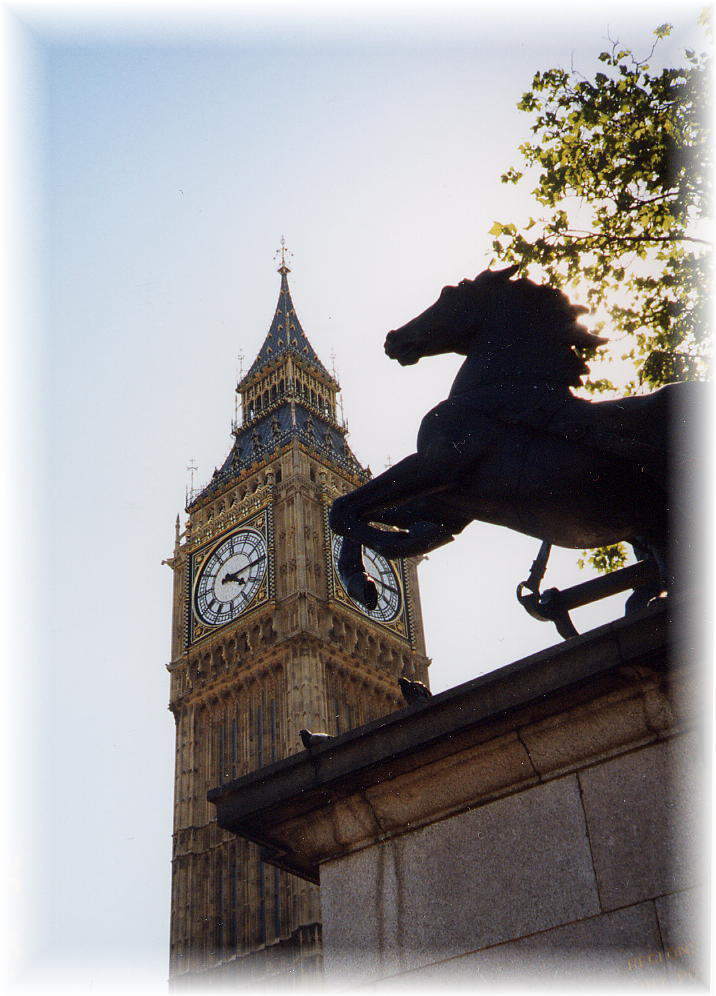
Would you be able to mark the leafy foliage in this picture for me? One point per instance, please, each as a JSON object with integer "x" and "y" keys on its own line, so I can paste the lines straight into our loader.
{"x": 605, "y": 558}
{"x": 623, "y": 170}
{"x": 623, "y": 175}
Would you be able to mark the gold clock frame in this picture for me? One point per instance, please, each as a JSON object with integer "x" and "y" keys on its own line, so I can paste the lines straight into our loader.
{"x": 260, "y": 522}
{"x": 401, "y": 624}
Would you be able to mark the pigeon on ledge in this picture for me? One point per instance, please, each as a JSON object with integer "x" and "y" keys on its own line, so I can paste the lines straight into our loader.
{"x": 414, "y": 691}
{"x": 309, "y": 739}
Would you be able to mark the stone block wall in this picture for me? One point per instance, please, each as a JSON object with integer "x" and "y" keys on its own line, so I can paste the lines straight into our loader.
{"x": 543, "y": 821}
{"x": 596, "y": 871}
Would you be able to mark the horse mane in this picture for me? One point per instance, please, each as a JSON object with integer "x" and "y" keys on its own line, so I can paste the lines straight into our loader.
{"x": 542, "y": 317}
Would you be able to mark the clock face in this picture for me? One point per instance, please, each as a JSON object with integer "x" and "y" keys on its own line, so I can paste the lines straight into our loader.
{"x": 230, "y": 577}
{"x": 386, "y": 581}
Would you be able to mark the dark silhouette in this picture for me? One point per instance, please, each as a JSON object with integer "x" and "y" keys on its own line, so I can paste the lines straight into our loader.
{"x": 511, "y": 444}
{"x": 309, "y": 739}
{"x": 414, "y": 691}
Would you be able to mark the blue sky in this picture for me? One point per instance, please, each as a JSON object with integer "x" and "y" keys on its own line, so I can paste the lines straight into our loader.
{"x": 158, "y": 162}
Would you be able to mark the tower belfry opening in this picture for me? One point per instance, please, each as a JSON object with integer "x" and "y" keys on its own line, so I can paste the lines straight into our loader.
{"x": 265, "y": 642}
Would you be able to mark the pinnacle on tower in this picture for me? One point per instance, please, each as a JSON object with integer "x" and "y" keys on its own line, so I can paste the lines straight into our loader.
{"x": 286, "y": 395}
{"x": 285, "y": 335}
{"x": 283, "y": 251}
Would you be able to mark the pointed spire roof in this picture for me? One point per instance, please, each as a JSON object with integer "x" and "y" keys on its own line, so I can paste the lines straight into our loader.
{"x": 285, "y": 334}
{"x": 289, "y": 416}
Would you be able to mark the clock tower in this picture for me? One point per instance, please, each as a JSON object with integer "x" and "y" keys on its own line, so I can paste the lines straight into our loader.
{"x": 265, "y": 642}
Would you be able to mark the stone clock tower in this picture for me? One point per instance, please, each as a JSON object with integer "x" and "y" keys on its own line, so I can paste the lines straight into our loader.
{"x": 265, "y": 641}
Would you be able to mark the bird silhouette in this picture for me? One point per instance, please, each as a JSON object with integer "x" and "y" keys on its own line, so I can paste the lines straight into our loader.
{"x": 309, "y": 739}
{"x": 414, "y": 691}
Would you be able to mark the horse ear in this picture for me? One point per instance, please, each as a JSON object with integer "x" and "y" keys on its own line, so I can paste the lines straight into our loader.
{"x": 579, "y": 336}
{"x": 508, "y": 272}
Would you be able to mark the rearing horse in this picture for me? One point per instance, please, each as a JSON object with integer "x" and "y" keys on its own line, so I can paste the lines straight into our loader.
{"x": 511, "y": 444}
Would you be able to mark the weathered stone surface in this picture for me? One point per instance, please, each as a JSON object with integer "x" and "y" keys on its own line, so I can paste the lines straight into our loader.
{"x": 334, "y": 830}
{"x": 682, "y": 918}
{"x": 530, "y": 817}
{"x": 512, "y": 867}
{"x": 611, "y": 947}
{"x": 659, "y": 710}
{"x": 452, "y": 783}
{"x": 641, "y": 816}
{"x": 360, "y": 904}
{"x": 592, "y": 731}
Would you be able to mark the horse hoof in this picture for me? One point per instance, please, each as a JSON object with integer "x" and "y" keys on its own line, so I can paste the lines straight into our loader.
{"x": 424, "y": 531}
{"x": 644, "y": 598}
{"x": 363, "y": 589}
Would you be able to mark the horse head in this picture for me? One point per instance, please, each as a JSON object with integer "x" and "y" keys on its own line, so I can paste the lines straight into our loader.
{"x": 494, "y": 310}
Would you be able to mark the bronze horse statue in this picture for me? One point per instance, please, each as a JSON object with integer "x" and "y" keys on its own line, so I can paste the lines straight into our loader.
{"x": 511, "y": 444}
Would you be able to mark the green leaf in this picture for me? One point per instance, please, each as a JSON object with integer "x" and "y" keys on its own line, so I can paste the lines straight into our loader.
{"x": 620, "y": 168}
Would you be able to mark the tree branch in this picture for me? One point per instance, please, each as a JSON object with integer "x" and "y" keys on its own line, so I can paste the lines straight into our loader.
{"x": 597, "y": 236}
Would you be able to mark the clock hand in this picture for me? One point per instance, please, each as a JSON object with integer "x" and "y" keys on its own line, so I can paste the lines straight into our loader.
{"x": 235, "y": 576}
{"x": 384, "y": 584}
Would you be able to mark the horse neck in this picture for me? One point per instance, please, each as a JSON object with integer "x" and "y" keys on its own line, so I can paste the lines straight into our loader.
{"x": 496, "y": 362}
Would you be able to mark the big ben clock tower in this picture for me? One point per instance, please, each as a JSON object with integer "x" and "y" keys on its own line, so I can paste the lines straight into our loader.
{"x": 265, "y": 642}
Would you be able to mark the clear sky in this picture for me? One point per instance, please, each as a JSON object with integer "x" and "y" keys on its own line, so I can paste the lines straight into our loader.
{"x": 157, "y": 163}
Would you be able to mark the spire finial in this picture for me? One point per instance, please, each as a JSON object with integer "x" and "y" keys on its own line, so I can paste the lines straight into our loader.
{"x": 283, "y": 252}
{"x": 192, "y": 469}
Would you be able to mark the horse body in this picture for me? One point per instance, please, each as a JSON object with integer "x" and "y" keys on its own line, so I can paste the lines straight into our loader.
{"x": 515, "y": 477}
{"x": 511, "y": 445}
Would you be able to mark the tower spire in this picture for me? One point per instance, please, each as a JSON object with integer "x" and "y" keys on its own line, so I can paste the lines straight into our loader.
{"x": 285, "y": 395}
{"x": 283, "y": 251}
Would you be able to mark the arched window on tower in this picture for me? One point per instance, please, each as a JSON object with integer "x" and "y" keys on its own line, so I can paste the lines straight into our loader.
{"x": 273, "y": 727}
{"x": 234, "y": 747}
{"x": 218, "y": 905}
{"x": 262, "y": 903}
{"x": 220, "y": 756}
{"x": 259, "y": 734}
{"x": 232, "y": 937}
{"x": 276, "y": 903}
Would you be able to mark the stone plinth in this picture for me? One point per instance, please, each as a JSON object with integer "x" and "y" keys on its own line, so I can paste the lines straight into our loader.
{"x": 542, "y": 819}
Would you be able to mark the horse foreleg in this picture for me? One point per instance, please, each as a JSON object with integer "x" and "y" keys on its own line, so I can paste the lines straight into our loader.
{"x": 642, "y": 596}
{"x": 393, "y": 491}
{"x": 426, "y": 525}
{"x": 425, "y": 517}
{"x": 356, "y": 580}
{"x": 397, "y": 497}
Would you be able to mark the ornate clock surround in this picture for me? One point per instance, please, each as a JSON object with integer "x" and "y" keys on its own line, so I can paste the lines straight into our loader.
{"x": 261, "y": 522}
{"x": 401, "y": 625}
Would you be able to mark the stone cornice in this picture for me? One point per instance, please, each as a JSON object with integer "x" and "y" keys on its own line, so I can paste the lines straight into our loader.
{"x": 594, "y": 696}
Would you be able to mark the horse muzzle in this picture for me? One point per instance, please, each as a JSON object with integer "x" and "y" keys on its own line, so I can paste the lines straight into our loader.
{"x": 397, "y": 348}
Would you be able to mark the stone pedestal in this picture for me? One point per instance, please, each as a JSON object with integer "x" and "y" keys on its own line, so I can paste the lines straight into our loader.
{"x": 543, "y": 820}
